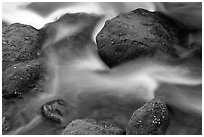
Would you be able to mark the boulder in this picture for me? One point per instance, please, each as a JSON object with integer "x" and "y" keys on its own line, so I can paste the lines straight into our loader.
{"x": 140, "y": 33}
{"x": 19, "y": 43}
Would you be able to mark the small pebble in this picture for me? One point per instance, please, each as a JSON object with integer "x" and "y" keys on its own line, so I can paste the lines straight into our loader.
{"x": 53, "y": 111}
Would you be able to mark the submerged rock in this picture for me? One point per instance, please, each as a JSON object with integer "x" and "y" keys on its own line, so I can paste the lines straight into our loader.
{"x": 150, "y": 119}
{"x": 53, "y": 110}
{"x": 139, "y": 33}
{"x": 91, "y": 127}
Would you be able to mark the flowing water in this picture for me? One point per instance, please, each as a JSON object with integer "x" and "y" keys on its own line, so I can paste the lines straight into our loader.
{"x": 91, "y": 89}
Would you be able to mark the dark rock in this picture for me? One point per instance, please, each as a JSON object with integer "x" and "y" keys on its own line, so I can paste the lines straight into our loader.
{"x": 20, "y": 78}
{"x": 53, "y": 110}
{"x": 140, "y": 33}
{"x": 150, "y": 119}
{"x": 19, "y": 43}
{"x": 91, "y": 127}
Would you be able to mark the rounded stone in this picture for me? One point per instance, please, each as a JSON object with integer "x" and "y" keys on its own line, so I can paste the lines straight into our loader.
{"x": 140, "y": 33}
{"x": 20, "y": 44}
{"x": 150, "y": 119}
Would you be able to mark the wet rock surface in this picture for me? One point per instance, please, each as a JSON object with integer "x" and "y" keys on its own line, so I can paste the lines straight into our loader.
{"x": 21, "y": 66}
{"x": 91, "y": 127}
{"x": 139, "y": 33}
{"x": 19, "y": 43}
{"x": 20, "y": 78}
{"x": 150, "y": 119}
{"x": 53, "y": 110}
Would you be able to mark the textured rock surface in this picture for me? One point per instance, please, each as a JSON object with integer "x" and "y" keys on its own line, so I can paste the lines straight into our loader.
{"x": 20, "y": 78}
{"x": 139, "y": 33}
{"x": 91, "y": 127}
{"x": 19, "y": 43}
{"x": 53, "y": 110}
{"x": 150, "y": 119}
{"x": 21, "y": 72}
